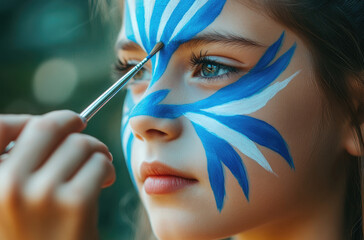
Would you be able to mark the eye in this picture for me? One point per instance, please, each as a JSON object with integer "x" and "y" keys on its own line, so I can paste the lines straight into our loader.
{"x": 211, "y": 70}
{"x": 120, "y": 69}
{"x": 208, "y": 68}
{"x": 142, "y": 75}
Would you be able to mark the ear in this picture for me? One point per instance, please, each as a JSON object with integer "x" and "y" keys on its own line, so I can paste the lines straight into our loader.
{"x": 352, "y": 142}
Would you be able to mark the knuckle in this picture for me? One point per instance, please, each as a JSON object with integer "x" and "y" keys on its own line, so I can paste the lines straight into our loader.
{"x": 64, "y": 113}
{"x": 73, "y": 199}
{"x": 99, "y": 146}
{"x": 77, "y": 200}
{"x": 44, "y": 124}
{"x": 80, "y": 141}
{"x": 37, "y": 202}
{"x": 38, "y": 192}
{"x": 10, "y": 191}
{"x": 67, "y": 112}
{"x": 105, "y": 168}
{"x": 103, "y": 163}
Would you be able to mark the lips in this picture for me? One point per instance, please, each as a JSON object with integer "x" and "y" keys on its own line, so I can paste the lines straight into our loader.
{"x": 162, "y": 179}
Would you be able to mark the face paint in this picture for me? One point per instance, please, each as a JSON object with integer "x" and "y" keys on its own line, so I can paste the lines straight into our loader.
{"x": 174, "y": 22}
{"x": 126, "y": 133}
{"x": 220, "y": 120}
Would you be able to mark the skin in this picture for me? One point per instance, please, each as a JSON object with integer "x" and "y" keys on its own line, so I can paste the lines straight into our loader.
{"x": 305, "y": 203}
{"x": 51, "y": 179}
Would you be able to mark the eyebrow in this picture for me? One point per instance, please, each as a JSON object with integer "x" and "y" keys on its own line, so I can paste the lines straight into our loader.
{"x": 202, "y": 39}
{"x": 127, "y": 45}
{"x": 225, "y": 39}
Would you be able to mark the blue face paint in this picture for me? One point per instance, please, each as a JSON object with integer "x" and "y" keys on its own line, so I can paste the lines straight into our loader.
{"x": 220, "y": 120}
{"x": 173, "y": 22}
{"x": 126, "y": 134}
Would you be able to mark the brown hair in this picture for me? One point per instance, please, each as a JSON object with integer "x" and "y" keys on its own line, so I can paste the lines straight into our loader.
{"x": 334, "y": 31}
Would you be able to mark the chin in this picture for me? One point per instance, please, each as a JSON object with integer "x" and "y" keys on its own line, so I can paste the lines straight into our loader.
{"x": 167, "y": 232}
{"x": 182, "y": 226}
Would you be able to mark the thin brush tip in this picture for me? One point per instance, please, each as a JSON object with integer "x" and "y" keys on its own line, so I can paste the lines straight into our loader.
{"x": 156, "y": 49}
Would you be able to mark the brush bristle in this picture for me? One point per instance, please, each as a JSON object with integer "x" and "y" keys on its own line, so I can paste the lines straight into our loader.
{"x": 156, "y": 49}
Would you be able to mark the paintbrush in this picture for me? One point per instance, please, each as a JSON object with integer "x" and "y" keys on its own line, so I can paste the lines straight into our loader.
{"x": 94, "y": 107}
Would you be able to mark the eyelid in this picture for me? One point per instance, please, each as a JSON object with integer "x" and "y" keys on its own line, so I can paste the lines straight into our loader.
{"x": 225, "y": 61}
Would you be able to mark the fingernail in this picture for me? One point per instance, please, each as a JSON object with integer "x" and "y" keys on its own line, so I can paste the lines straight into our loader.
{"x": 111, "y": 157}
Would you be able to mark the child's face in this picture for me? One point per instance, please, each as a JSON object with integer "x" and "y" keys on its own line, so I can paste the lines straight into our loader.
{"x": 226, "y": 133}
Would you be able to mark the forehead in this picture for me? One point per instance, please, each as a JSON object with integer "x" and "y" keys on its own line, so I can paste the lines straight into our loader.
{"x": 172, "y": 22}
{"x": 163, "y": 20}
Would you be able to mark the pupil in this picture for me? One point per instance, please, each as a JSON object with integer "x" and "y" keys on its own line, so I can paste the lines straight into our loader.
{"x": 210, "y": 70}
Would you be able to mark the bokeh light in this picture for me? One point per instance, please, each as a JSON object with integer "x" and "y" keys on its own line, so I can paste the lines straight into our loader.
{"x": 54, "y": 81}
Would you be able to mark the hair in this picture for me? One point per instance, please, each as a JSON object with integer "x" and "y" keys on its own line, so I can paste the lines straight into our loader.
{"x": 333, "y": 30}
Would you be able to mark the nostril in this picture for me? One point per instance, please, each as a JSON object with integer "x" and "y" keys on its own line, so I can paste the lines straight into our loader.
{"x": 147, "y": 128}
{"x": 138, "y": 136}
{"x": 155, "y": 133}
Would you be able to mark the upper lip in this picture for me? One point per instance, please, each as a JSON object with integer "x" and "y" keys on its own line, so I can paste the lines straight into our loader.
{"x": 148, "y": 169}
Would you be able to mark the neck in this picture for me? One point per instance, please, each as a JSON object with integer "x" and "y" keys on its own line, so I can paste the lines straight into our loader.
{"x": 324, "y": 221}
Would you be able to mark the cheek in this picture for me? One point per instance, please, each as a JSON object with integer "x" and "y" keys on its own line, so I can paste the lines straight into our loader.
{"x": 138, "y": 89}
{"x": 138, "y": 153}
{"x": 298, "y": 116}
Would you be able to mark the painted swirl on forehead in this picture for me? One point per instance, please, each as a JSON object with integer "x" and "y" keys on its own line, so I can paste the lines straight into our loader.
{"x": 173, "y": 22}
{"x": 221, "y": 120}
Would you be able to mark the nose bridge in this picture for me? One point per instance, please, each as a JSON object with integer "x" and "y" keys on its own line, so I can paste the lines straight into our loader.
{"x": 152, "y": 120}
{"x": 165, "y": 81}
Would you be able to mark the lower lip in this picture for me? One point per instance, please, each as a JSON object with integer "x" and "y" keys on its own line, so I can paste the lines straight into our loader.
{"x": 166, "y": 184}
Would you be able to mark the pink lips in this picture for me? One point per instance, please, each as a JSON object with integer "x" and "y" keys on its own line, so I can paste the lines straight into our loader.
{"x": 161, "y": 179}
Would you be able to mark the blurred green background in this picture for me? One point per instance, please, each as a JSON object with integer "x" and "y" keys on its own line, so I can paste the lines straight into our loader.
{"x": 58, "y": 55}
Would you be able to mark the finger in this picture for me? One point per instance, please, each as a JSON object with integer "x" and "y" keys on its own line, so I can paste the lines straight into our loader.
{"x": 40, "y": 137}
{"x": 10, "y": 128}
{"x": 70, "y": 156}
{"x": 97, "y": 172}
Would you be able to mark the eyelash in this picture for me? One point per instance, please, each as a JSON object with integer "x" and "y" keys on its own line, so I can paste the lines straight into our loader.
{"x": 198, "y": 61}
{"x": 120, "y": 69}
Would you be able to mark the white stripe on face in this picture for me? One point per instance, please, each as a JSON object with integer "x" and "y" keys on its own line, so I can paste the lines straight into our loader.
{"x": 167, "y": 14}
{"x": 236, "y": 139}
{"x": 197, "y": 5}
{"x": 148, "y": 8}
{"x": 252, "y": 104}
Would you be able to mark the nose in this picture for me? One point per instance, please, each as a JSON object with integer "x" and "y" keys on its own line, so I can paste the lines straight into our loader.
{"x": 148, "y": 128}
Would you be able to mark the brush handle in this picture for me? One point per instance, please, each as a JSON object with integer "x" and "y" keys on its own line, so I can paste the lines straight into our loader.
{"x": 94, "y": 107}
